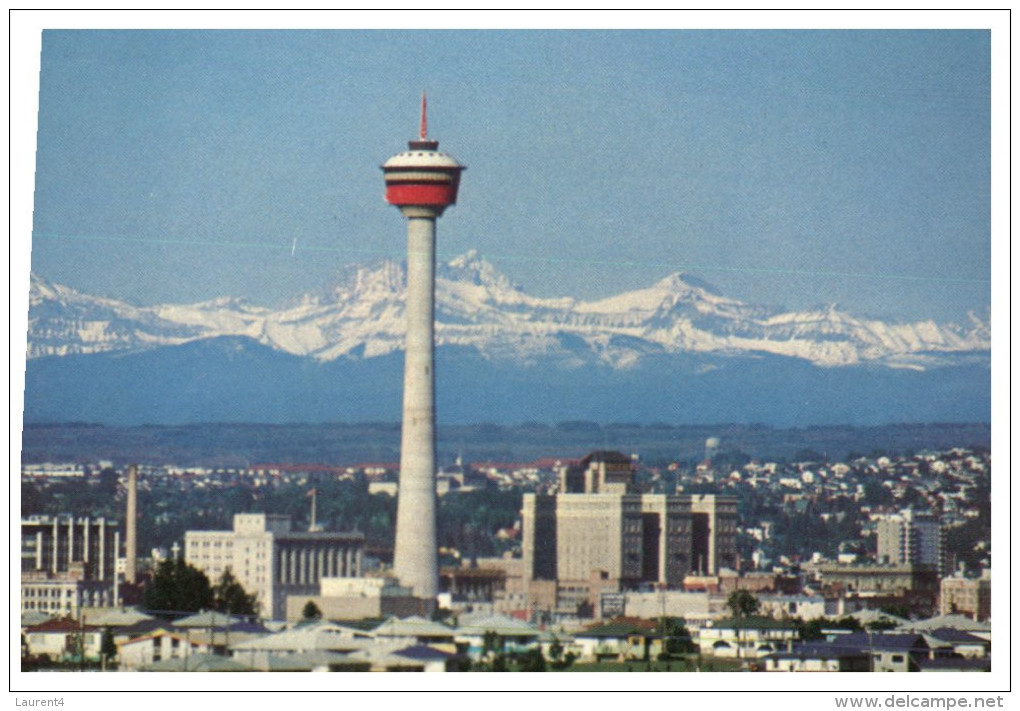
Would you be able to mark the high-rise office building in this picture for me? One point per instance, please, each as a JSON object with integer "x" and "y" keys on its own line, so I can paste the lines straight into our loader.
{"x": 598, "y": 535}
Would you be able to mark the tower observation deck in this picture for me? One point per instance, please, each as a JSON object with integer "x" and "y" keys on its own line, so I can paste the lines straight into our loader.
{"x": 422, "y": 176}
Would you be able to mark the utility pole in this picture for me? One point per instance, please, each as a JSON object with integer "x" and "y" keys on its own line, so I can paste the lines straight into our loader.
{"x": 81, "y": 639}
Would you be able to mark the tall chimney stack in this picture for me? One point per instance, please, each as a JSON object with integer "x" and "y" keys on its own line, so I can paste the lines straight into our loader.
{"x": 131, "y": 544}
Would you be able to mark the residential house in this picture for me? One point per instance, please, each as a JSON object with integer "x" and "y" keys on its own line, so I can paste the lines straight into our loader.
{"x": 621, "y": 640}
{"x": 745, "y": 637}
{"x": 398, "y": 657}
{"x": 818, "y": 657}
{"x": 64, "y": 639}
{"x": 415, "y": 630}
{"x": 513, "y": 635}
{"x": 318, "y": 636}
{"x": 158, "y": 646}
{"x": 890, "y": 652}
{"x": 197, "y": 662}
{"x": 961, "y": 643}
{"x": 855, "y": 651}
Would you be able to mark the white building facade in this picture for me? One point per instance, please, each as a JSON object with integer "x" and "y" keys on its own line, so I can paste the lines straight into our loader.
{"x": 272, "y": 561}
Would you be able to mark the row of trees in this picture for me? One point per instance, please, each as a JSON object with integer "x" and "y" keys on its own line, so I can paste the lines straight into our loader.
{"x": 177, "y": 586}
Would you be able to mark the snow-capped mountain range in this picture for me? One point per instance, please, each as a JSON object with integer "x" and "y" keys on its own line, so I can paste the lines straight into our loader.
{"x": 479, "y": 308}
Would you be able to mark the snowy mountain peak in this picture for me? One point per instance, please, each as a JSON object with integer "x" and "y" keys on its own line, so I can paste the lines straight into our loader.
{"x": 479, "y": 308}
{"x": 389, "y": 277}
{"x": 232, "y": 303}
{"x": 471, "y": 267}
{"x": 40, "y": 289}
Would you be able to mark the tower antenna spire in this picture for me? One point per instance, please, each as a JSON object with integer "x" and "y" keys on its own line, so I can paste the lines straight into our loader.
{"x": 424, "y": 119}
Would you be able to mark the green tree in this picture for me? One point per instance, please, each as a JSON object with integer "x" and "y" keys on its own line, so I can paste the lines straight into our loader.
{"x": 559, "y": 660}
{"x": 742, "y": 603}
{"x": 107, "y": 647}
{"x": 311, "y": 611}
{"x": 229, "y": 596}
{"x": 177, "y": 587}
{"x": 813, "y": 629}
{"x": 532, "y": 661}
{"x": 491, "y": 642}
{"x": 555, "y": 650}
{"x": 677, "y": 638}
{"x": 896, "y": 610}
{"x": 875, "y": 494}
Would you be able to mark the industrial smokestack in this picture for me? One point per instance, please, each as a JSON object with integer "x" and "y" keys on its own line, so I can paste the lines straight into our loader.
{"x": 131, "y": 544}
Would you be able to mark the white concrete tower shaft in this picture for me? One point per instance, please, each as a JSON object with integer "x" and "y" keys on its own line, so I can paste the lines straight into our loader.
{"x": 422, "y": 182}
{"x": 415, "y": 556}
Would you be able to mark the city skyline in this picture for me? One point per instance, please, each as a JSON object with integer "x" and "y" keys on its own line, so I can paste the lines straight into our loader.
{"x": 178, "y": 166}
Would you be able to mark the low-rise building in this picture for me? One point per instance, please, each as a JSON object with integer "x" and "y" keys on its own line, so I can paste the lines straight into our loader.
{"x": 415, "y": 630}
{"x": 818, "y": 657}
{"x": 64, "y": 639}
{"x": 356, "y": 599}
{"x": 508, "y": 634}
{"x": 746, "y": 637}
{"x": 913, "y": 586}
{"x": 889, "y": 651}
{"x": 159, "y": 645}
{"x": 967, "y": 596}
{"x": 958, "y": 642}
{"x": 620, "y": 640}
{"x": 64, "y": 593}
{"x": 856, "y": 651}
{"x": 404, "y": 658}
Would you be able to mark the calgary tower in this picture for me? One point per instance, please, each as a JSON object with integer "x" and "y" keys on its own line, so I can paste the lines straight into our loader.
{"x": 422, "y": 182}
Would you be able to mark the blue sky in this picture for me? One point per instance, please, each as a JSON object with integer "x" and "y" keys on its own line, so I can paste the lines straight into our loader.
{"x": 791, "y": 168}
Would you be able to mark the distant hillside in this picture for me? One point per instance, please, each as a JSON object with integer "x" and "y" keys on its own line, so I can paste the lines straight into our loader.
{"x": 338, "y": 443}
{"x": 238, "y": 380}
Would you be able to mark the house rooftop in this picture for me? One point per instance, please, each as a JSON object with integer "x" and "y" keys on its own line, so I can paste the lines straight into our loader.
{"x": 500, "y": 624}
{"x": 620, "y": 628}
{"x": 62, "y": 624}
{"x": 753, "y": 623}
{"x": 413, "y": 626}
{"x": 423, "y": 653}
{"x": 198, "y": 662}
{"x": 951, "y": 634}
{"x": 208, "y": 618}
{"x": 955, "y": 664}
{"x": 878, "y": 641}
